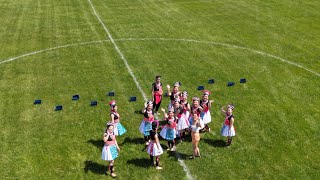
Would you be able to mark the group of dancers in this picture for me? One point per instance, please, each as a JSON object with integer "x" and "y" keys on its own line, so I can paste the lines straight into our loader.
{"x": 181, "y": 118}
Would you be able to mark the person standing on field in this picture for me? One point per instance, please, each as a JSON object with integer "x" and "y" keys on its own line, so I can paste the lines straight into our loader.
{"x": 228, "y": 129}
{"x": 154, "y": 148}
{"x": 110, "y": 149}
{"x": 157, "y": 94}
{"x": 196, "y": 125}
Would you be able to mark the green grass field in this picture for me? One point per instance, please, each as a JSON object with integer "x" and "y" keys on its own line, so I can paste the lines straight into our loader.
{"x": 51, "y": 50}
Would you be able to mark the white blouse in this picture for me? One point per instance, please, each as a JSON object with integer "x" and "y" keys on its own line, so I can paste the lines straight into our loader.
{"x": 195, "y": 128}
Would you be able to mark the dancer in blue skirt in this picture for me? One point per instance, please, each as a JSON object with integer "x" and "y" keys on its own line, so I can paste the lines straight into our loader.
{"x": 148, "y": 118}
{"x": 110, "y": 149}
{"x": 115, "y": 119}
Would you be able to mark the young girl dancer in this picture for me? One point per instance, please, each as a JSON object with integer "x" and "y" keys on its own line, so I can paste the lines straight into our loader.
{"x": 195, "y": 108}
{"x": 145, "y": 125}
{"x": 228, "y": 129}
{"x": 184, "y": 103}
{"x": 110, "y": 149}
{"x": 205, "y": 114}
{"x": 177, "y": 109}
{"x": 174, "y": 94}
{"x": 154, "y": 148}
{"x": 183, "y": 122}
{"x": 115, "y": 119}
{"x": 169, "y": 130}
{"x": 196, "y": 125}
{"x": 157, "y": 94}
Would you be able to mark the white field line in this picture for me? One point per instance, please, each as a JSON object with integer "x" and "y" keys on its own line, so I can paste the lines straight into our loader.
{"x": 165, "y": 39}
{"x": 51, "y": 49}
{"x": 226, "y": 45}
{"x": 185, "y": 168}
{"x": 119, "y": 52}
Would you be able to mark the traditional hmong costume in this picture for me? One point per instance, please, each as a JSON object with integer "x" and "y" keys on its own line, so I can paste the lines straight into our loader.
{"x": 173, "y": 97}
{"x": 205, "y": 114}
{"x": 226, "y": 130}
{"x": 118, "y": 128}
{"x": 109, "y": 150}
{"x": 145, "y": 125}
{"x": 168, "y": 132}
{"x": 152, "y": 148}
{"x": 157, "y": 95}
{"x": 183, "y": 122}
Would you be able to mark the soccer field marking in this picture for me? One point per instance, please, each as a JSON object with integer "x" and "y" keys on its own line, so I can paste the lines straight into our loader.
{"x": 164, "y": 39}
{"x": 118, "y": 51}
{"x": 51, "y": 49}
{"x": 223, "y": 44}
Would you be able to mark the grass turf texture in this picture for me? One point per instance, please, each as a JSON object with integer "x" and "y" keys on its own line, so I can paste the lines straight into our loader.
{"x": 276, "y": 110}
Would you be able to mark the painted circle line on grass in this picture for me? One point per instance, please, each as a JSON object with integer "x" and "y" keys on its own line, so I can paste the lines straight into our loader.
{"x": 51, "y": 49}
{"x": 163, "y": 39}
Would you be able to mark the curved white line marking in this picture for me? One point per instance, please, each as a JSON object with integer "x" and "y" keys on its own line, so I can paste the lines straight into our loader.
{"x": 166, "y": 39}
{"x": 50, "y": 49}
{"x": 223, "y": 44}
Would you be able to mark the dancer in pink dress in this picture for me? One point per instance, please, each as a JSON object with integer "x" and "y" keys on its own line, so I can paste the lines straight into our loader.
{"x": 228, "y": 129}
{"x": 205, "y": 114}
{"x": 110, "y": 149}
{"x": 195, "y": 108}
{"x": 183, "y": 119}
{"x": 174, "y": 94}
{"x": 148, "y": 118}
{"x": 154, "y": 148}
{"x": 157, "y": 94}
{"x": 168, "y": 132}
{"x": 115, "y": 119}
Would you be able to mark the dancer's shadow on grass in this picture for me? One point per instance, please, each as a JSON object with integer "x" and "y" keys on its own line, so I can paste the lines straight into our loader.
{"x": 215, "y": 143}
{"x": 133, "y": 141}
{"x": 98, "y": 143}
{"x": 94, "y": 167}
{"x": 138, "y": 112}
{"x": 163, "y": 146}
{"x": 140, "y": 162}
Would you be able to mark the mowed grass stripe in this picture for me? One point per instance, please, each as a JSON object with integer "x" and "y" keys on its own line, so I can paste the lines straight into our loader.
{"x": 45, "y": 24}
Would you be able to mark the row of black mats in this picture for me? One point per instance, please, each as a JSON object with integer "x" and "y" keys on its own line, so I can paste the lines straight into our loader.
{"x": 132, "y": 98}
{"x": 211, "y": 81}
{"x": 77, "y": 97}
